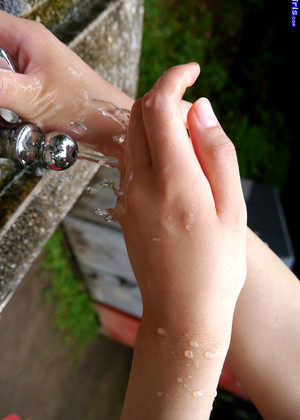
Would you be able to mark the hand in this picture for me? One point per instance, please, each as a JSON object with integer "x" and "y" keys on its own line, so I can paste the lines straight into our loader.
{"x": 53, "y": 88}
{"x": 183, "y": 213}
{"x": 184, "y": 222}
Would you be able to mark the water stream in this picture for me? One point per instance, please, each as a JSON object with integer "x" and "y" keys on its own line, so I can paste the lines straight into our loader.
{"x": 122, "y": 117}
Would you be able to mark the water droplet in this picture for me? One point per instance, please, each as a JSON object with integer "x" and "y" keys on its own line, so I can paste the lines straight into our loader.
{"x": 77, "y": 127}
{"x": 209, "y": 354}
{"x": 161, "y": 331}
{"x": 188, "y": 222}
{"x": 110, "y": 218}
{"x": 97, "y": 157}
{"x": 91, "y": 189}
{"x": 101, "y": 212}
{"x": 194, "y": 343}
{"x": 197, "y": 394}
{"x": 180, "y": 380}
{"x": 159, "y": 394}
{"x": 189, "y": 354}
{"x": 108, "y": 183}
{"x": 108, "y": 109}
{"x": 66, "y": 179}
{"x": 119, "y": 138}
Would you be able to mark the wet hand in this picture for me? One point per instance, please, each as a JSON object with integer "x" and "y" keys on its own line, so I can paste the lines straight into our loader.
{"x": 46, "y": 73}
{"x": 183, "y": 213}
{"x": 53, "y": 88}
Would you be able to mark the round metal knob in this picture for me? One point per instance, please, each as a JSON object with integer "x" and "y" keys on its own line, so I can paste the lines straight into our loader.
{"x": 26, "y": 144}
{"x": 58, "y": 151}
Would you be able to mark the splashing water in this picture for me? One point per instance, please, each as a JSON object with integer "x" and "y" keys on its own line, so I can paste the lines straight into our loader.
{"x": 109, "y": 218}
{"x": 104, "y": 183}
{"x": 98, "y": 157}
{"x": 122, "y": 117}
{"x": 77, "y": 127}
{"x": 108, "y": 109}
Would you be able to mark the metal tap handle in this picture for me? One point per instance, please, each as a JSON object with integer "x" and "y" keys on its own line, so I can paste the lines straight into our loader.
{"x": 24, "y": 143}
{"x": 57, "y": 151}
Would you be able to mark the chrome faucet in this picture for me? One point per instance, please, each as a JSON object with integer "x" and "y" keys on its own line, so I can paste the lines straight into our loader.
{"x": 24, "y": 143}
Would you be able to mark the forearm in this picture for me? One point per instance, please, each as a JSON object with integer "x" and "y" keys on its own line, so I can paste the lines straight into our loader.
{"x": 264, "y": 351}
{"x": 175, "y": 372}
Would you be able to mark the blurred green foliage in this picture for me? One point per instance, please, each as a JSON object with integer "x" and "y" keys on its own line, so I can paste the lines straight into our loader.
{"x": 74, "y": 312}
{"x": 238, "y": 53}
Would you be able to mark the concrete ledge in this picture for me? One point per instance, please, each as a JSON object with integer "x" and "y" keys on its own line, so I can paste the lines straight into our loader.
{"x": 111, "y": 45}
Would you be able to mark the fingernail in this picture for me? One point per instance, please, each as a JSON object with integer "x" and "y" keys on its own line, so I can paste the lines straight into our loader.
{"x": 205, "y": 113}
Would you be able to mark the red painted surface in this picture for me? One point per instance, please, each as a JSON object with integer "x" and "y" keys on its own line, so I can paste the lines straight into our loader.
{"x": 118, "y": 325}
{"x": 13, "y": 417}
{"x": 123, "y": 328}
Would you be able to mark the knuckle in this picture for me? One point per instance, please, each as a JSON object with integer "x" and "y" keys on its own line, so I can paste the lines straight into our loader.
{"x": 36, "y": 25}
{"x": 223, "y": 149}
{"x": 135, "y": 116}
{"x": 135, "y": 108}
{"x": 154, "y": 102}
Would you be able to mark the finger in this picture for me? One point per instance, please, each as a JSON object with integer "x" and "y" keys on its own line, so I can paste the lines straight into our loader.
{"x": 164, "y": 125}
{"x": 185, "y": 107}
{"x": 17, "y": 91}
{"x": 136, "y": 140}
{"x": 217, "y": 157}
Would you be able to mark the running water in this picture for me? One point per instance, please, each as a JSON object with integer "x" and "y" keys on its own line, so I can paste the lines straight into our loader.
{"x": 108, "y": 109}
{"x": 97, "y": 157}
{"x": 122, "y": 117}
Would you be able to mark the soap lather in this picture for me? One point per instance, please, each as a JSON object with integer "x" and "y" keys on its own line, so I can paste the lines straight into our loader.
{"x": 25, "y": 144}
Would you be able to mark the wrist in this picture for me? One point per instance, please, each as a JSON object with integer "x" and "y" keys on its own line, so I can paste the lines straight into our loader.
{"x": 184, "y": 331}
{"x": 175, "y": 372}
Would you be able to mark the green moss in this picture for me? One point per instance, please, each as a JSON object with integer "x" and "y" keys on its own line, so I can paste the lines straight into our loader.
{"x": 67, "y": 18}
{"x": 74, "y": 312}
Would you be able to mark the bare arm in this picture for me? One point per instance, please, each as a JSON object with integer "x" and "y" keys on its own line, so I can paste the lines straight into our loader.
{"x": 265, "y": 344}
{"x": 56, "y": 88}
